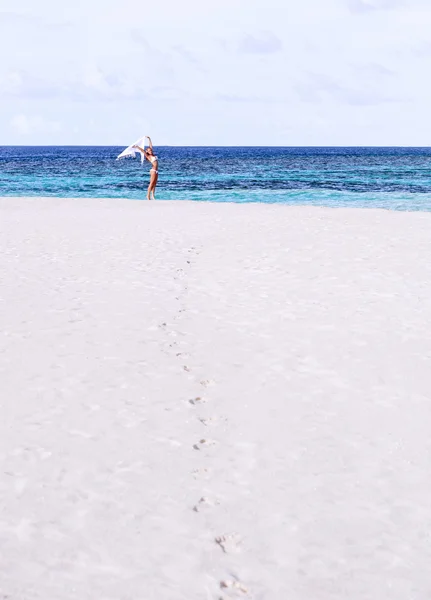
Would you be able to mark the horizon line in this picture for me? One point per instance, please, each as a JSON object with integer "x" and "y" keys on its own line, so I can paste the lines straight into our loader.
{"x": 203, "y": 146}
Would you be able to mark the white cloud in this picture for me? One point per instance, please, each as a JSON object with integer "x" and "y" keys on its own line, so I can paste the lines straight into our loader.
{"x": 25, "y": 125}
{"x": 262, "y": 43}
{"x": 370, "y": 5}
{"x": 11, "y": 82}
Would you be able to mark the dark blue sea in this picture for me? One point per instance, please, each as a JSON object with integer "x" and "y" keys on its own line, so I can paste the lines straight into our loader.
{"x": 393, "y": 178}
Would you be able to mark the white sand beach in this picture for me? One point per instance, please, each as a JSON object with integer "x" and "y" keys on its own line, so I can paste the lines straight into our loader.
{"x": 203, "y": 401}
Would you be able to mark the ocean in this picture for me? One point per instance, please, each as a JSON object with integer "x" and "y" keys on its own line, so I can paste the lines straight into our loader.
{"x": 392, "y": 178}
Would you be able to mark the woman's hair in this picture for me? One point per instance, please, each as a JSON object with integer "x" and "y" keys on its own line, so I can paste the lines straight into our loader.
{"x": 150, "y": 150}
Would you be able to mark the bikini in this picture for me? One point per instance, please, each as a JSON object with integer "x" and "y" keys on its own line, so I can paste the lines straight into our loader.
{"x": 152, "y": 159}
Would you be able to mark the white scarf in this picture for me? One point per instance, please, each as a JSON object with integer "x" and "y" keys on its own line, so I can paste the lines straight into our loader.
{"x": 130, "y": 151}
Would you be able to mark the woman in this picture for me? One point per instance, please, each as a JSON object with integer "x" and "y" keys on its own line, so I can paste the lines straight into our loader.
{"x": 154, "y": 171}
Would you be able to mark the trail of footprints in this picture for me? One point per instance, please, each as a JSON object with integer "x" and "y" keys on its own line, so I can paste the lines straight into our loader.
{"x": 229, "y": 543}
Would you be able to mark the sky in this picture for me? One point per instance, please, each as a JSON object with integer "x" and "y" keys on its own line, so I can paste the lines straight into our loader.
{"x": 225, "y": 72}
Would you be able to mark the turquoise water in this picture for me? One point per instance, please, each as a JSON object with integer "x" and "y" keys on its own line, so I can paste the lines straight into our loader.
{"x": 394, "y": 178}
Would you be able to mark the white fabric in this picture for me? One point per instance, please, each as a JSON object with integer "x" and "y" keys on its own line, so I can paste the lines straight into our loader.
{"x": 130, "y": 151}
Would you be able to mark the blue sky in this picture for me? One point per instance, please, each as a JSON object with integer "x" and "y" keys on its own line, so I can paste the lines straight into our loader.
{"x": 225, "y": 72}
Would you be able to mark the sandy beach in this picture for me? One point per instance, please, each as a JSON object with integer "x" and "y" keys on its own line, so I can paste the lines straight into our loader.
{"x": 204, "y": 401}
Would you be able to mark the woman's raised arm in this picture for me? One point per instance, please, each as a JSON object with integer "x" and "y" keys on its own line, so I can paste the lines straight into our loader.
{"x": 144, "y": 152}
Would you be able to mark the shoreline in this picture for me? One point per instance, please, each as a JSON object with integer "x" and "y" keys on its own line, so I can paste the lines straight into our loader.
{"x": 280, "y": 205}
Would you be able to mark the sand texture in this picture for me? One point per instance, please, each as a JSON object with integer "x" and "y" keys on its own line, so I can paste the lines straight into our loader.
{"x": 203, "y": 401}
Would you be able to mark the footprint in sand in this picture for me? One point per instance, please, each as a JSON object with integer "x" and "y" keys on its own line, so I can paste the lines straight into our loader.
{"x": 204, "y": 444}
{"x": 230, "y": 543}
{"x": 207, "y": 382}
{"x": 204, "y": 504}
{"x": 208, "y": 421}
{"x": 186, "y": 368}
{"x": 197, "y": 401}
{"x": 234, "y": 588}
{"x": 199, "y": 473}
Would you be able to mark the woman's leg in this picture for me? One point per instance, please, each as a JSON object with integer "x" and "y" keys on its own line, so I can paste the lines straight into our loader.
{"x": 153, "y": 187}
